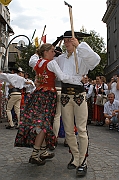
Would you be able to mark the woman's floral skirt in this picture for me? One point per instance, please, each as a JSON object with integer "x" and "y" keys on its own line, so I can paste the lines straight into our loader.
{"x": 37, "y": 114}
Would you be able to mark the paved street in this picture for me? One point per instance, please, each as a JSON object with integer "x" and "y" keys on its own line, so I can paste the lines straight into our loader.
{"x": 103, "y": 160}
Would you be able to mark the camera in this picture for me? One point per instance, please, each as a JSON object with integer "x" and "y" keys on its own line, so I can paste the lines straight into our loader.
{"x": 115, "y": 79}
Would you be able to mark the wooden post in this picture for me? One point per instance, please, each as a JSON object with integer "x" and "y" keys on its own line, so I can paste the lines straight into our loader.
{"x": 72, "y": 29}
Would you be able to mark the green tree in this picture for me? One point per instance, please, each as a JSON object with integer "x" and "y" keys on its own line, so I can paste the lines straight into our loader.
{"x": 98, "y": 45}
{"x": 23, "y": 62}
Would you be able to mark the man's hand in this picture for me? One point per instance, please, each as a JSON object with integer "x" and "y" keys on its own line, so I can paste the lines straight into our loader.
{"x": 74, "y": 42}
{"x": 113, "y": 113}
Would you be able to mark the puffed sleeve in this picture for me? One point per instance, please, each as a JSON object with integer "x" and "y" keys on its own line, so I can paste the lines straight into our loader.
{"x": 88, "y": 59}
{"x": 4, "y": 77}
{"x": 33, "y": 60}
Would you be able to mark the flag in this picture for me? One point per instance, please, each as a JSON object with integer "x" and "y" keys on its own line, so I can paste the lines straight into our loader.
{"x": 43, "y": 39}
{"x": 36, "y": 42}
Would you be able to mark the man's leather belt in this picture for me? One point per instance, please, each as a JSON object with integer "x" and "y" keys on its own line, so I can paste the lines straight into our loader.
{"x": 72, "y": 89}
{"x": 14, "y": 90}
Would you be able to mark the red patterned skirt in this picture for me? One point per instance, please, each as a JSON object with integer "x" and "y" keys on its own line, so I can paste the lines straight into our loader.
{"x": 38, "y": 113}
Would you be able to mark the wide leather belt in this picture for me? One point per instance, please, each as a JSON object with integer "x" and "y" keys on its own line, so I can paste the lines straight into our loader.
{"x": 72, "y": 89}
{"x": 14, "y": 90}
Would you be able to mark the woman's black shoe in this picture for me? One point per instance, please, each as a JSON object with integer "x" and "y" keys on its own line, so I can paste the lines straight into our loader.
{"x": 52, "y": 148}
{"x": 38, "y": 162}
{"x": 48, "y": 156}
{"x": 9, "y": 127}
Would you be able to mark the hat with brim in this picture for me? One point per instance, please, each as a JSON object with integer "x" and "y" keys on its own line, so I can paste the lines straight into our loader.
{"x": 78, "y": 35}
{"x": 68, "y": 34}
{"x": 15, "y": 69}
{"x": 20, "y": 69}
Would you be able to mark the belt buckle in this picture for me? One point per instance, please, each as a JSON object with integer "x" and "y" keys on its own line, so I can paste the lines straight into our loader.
{"x": 70, "y": 91}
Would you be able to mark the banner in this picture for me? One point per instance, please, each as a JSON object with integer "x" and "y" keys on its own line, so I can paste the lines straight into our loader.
{"x": 36, "y": 42}
{"x": 43, "y": 39}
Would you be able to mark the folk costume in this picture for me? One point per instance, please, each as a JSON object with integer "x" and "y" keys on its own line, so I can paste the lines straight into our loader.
{"x": 29, "y": 89}
{"x": 16, "y": 84}
{"x": 40, "y": 107}
{"x": 98, "y": 114}
{"x": 89, "y": 89}
{"x": 73, "y": 100}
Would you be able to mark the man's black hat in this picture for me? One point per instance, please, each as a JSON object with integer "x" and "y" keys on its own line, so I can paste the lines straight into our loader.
{"x": 16, "y": 69}
{"x": 68, "y": 34}
{"x": 78, "y": 35}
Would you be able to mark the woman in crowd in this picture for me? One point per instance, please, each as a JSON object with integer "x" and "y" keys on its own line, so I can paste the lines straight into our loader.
{"x": 39, "y": 111}
{"x": 99, "y": 88}
{"x": 89, "y": 90}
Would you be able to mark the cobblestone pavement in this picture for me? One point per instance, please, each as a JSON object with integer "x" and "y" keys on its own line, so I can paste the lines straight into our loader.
{"x": 103, "y": 160}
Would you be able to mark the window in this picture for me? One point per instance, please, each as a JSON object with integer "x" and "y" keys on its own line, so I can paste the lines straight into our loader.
{"x": 115, "y": 24}
{"x": 115, "y": 52}
{"x": 108, "y": 33}
{"x": 108, "y": 58}
{"x": 4, "y": 13}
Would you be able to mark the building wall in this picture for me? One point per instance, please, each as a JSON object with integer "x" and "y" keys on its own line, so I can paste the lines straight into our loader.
{"x": 5, "y": 32}
{"x": 13, "y": 53}
{"x": 111, "y": 18}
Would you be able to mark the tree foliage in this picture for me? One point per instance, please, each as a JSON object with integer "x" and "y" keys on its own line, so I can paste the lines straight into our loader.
{"x": 23, "y": 62}
{"x": 98, "y": 45}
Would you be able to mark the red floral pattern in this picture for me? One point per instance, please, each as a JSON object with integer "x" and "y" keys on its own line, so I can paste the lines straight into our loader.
{"x": 38, "y": 113}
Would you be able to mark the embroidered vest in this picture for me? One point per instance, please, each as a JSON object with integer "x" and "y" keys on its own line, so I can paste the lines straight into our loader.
{"x": 44, "y": 78}
{"x": 99, "y": 89}
{"x": 86, "y": 87}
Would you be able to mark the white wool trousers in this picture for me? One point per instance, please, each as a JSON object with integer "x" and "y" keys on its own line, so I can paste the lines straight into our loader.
{"x": 14, "y": 101}
{"x": 56, "y": 123}
{"x": 75, "y": 107}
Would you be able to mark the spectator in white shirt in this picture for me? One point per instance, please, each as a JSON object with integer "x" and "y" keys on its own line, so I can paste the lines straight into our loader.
{"x": 111, "y": 111}
{"x": 113, "y": 86}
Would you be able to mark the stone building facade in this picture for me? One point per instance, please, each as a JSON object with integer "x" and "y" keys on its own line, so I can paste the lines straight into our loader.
{"x": 5, "y": 32}
{"x": 111, "y": 18}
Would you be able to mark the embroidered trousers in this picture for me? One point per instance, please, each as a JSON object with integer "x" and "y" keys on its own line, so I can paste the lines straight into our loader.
{"x": 75, "y": 107}
{"x": 56, "y": 123}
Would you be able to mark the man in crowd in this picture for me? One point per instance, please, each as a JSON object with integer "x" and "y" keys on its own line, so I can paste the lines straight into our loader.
{"x": 113, "y": 86}
{"x": 111, "y": 111}
{"x": 89, "y": 91}
{"x": 16, "y": 83}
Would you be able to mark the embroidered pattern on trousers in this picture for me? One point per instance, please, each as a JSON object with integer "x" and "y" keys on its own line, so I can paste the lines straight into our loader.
{"x": 64, "y": 100}
{"x": 79, "y": 99}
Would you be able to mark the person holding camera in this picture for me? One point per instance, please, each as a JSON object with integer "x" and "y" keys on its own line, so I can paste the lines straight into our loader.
{"x": 113, "y": 86}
